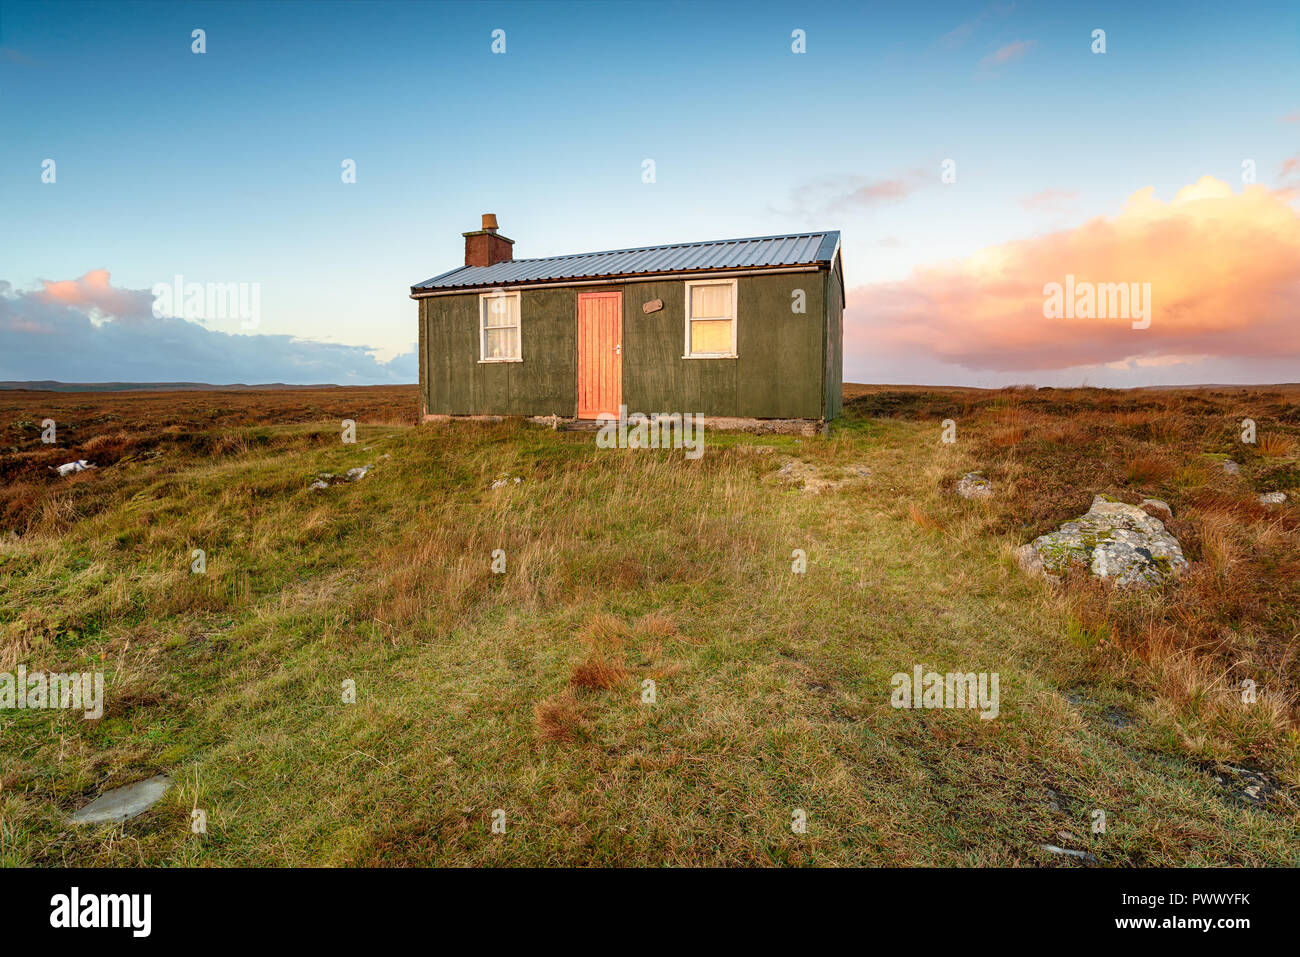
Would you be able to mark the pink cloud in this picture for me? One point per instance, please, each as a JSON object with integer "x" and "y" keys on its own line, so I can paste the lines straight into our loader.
{"x": 1049, "y": 199}
{"x": 1289, "y": 176}
{"x": 834, "y": 193}
{"x": 962, "y": 32}
{"x": 95, "y": 291}
{"x": 1012, "y": 51}
{"x": 1223, "y": 268}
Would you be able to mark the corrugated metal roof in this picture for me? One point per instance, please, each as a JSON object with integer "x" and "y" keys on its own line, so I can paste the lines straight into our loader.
{"x": 800, "y": 249}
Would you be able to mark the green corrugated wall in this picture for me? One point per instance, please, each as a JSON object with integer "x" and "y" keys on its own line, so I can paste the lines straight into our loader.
{"x": 788, "y": 366}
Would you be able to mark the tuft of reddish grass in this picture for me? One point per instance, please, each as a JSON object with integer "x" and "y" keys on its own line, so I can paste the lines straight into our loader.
{"x": 1276, "y": 444}
{"x": 559, "y": 718}
{"x": 924, "y": 519}
{"x": 1010, "y": 436}
{"x": 1068, "y": 432}
{"x": 603, "y": 632}
{"x": 1148, "y": 468}
{"x": 656, "y": 624}
{"x": 1167, "y": 429}
{"x": 598, "y": 673}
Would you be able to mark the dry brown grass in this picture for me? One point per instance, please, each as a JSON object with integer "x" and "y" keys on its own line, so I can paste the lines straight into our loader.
{"x": 924, "y": 519}
{"x": 1148, "y": 468}
{"x": 1166, "y": 428}
{"x": 1236, "y": 613}
{"x": 109, "y": 427}
{"x": 772, "y": 687}
{"x": 1276, "y": 444}
{"x": 598, "y": 673}
{"x": 656, "y": 624}
{"x": 560, "y": 718}
{"x": 603, "y": 633}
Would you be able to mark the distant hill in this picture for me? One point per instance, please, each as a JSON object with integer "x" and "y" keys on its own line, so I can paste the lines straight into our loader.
{"x": 50, "y": 385}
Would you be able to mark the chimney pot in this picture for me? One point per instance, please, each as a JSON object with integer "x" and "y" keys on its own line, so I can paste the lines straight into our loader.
{"x": 489, "y": 220}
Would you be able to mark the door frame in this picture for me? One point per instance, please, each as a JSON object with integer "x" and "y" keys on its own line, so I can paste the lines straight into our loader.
{"x": 577, "y": 332}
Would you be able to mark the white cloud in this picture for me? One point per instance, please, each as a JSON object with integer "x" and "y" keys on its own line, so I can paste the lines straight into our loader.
{"x": 87, "y": 330}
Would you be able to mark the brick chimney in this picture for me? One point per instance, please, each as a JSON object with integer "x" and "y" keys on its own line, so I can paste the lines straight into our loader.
{"x": 485, "y": 246}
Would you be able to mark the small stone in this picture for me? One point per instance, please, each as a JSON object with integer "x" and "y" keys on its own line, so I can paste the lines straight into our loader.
{"x": 80, "y": 465}
{"x": 1231, "y": 467}
{"x": 974, "y": 485}
{"x": 1272, "y": 498}
{"x": 1160, "y": 509}
{"x": 1079, "y": 855}
{"x": 122, "y": 804}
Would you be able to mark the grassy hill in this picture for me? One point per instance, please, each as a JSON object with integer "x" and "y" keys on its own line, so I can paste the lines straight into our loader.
{"x": 522, "y": 692}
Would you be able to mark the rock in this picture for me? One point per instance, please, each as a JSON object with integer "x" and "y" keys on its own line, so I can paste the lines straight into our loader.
{"x": 1113, "y": 541}
{"x": 325, "y": 479}
{"x": 830, "y": 479}
{"x": 1231, "y": 467}
{"x": 1158, "y": 508}
{"x": 1247, "y": 786}
{"x": 122, "y": 804}
{"x": 1272, "y": 498}
{"x": 1061, "y": 851}
{"x": 78, "y": 466}
{"x": 974, "y": 485}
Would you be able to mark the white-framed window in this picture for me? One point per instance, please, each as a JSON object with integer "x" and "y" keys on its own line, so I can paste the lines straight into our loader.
{"x": 711, "y": 319}
{"x": 499, "y": 327}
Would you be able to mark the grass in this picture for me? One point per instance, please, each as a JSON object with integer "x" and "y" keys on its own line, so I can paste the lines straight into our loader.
{"x": 635, "y": 573}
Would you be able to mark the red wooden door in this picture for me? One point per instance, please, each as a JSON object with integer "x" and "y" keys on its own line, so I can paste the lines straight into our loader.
{"x": 600, "y": 353}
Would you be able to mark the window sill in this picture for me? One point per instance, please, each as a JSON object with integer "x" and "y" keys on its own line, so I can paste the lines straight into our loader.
{"x": 721, "y": 355}
{"x": 494, "y": 361}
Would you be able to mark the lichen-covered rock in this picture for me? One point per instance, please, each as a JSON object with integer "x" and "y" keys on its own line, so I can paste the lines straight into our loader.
{"x": 1272, "y": 498}
{"x": 1114, "y": 541}
{"x": 974, "y": 485}
{"x": 1231, "y": 467}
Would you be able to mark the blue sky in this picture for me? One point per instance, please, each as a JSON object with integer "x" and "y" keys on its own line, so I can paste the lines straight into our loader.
{"x": 225, "y": 166}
